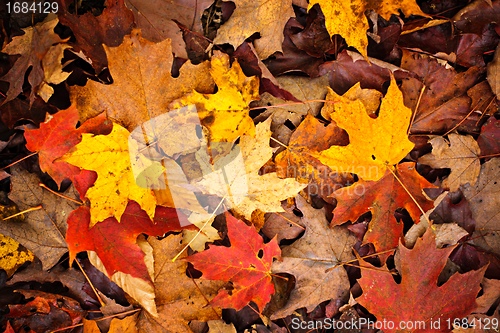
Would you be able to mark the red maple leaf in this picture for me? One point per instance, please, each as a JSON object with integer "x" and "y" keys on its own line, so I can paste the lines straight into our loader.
{"x": 383, "y": 197}
{"x": 247, "y": 264}
{"x": 418, "y": 300}
{"x": 115, "y": 242}
{"x": 56, "y": 136}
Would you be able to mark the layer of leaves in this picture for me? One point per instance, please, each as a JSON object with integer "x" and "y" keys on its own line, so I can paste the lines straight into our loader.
{"x": 314, "y": 261}
{"x": 115, "y": 242}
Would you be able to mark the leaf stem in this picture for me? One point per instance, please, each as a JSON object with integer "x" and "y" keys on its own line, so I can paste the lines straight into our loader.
{"x": 24, "y": 211}
{"x": 411, "y": 196}
{"x": 25, "y": 157}
{"x": 199, "y": 231}
{"x": 59, "y": 194}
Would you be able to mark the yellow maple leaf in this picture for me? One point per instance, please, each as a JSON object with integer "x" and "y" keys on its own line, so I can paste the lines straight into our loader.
{"x": 374, "y": 144}
{"x": 108, "y": 155}
{"x": 225, "y": 113}
{"x": 347, "y": 18}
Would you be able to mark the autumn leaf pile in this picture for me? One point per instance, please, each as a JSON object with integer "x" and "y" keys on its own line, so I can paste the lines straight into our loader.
{"x": 250, "y": 166}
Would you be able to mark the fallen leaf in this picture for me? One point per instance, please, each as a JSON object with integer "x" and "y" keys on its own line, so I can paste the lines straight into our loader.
{"x": 247, "y": 264}
{"x": 473, "y": 17}
{"x": 265, "y": 17}
{"x": 73, "y": 279}
{"x": 125, "y": 325}
{"x": 494, "y": 73}
{"x": 420, "y": 268}
{"x": 284, "y": 225}
{"x": 225, "y": 113}
{"x": 209, "y": 234}
{"x": 32, "y": 46}
{"x": 43, "y": 230}
{"x": 349, "y": 21}
{"x": 249, "y": 191}
{"x": 298, "y": 162}
{"x": 374, "y": 144}
{"x": 115, "y": 242}
{"x": 489, "y": 139}
{"x": 138, "y": 289}
{"x": 56, "y": 136}
{"x": 382, "y": 198}
{"x": 93, "y": 32}
{"x": 491, "y": 293}
{"x": 13, "y": 255}
{"x": 445, "y": 102}
{"x": 312, "y": 259}
{"x": 460, "y": 153}
{"x": 143, "y": 85}
{"x": 179, "y": 298}
{"x": 52, "y": 70}
{"x": 303, "y": 89}
{"x": 347, "y": 70}
{"x": 219, "y": 326}
{"x": 19, "y": 109}
{"x": 485, "y": 205}
{"x": 108, "y": 155}
{"x": 156, "y": 20}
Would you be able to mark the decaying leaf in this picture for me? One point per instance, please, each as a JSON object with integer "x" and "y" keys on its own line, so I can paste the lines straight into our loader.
{"x": 179, "y": 298}
{"x": 484, "y": 202}
{"x": 13, "y": 255}
{"x": 460, "y": 153}
{"x": 32, "y": 46}
{"x": 42, "y": 230}
{"x": 312, "y": 259}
